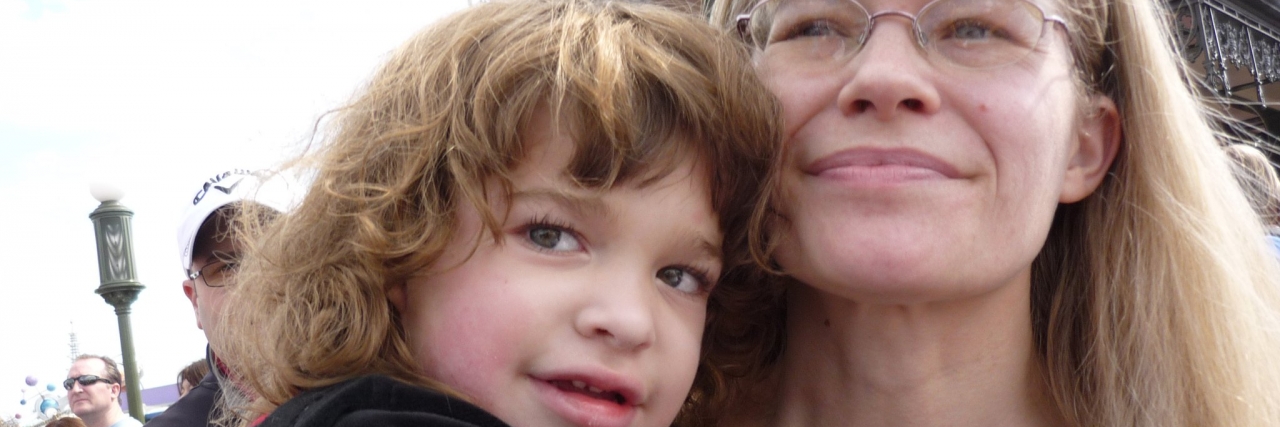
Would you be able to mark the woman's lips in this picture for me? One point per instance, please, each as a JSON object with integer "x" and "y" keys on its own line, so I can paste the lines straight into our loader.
{"x": 589, "y": 400}
{"x": 881, "y": 165}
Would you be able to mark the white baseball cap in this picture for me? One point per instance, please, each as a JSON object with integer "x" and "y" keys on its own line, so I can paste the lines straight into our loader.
{"x": 264, "y": 187}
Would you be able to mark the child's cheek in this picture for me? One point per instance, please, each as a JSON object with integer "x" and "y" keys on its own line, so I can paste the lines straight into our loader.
{"x": 474, "y": 337}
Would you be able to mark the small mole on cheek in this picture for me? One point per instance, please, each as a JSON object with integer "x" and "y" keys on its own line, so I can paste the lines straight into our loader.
{"x": 982, "y": 107}
{"x": 826, "y": 322}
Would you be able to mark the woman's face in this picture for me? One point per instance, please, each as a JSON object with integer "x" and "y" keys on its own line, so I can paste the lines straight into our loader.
{"x": 910, "y": 179}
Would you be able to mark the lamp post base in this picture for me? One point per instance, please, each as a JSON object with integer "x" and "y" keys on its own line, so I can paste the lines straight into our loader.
{"x": 121, "y": 297}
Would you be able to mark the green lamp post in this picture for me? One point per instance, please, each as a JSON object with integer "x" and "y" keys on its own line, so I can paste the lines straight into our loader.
{"x": 113, "y": 228}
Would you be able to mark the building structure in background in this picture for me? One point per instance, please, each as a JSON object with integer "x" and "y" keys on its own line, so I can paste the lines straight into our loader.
{"x": 154, "y": 400}
{"x": 1234, "y": 47}
{"x": 74, "y": 343}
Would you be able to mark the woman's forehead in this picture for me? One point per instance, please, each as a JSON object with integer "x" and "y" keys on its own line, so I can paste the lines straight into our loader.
{"x": 1049, "y": 6}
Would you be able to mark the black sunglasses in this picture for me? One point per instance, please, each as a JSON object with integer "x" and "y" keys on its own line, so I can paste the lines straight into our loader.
{"x": 85, "y": 381}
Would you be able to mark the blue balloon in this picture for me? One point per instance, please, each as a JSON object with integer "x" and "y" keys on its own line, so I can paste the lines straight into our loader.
{"x": 50, "y": 387}
{"x": 23, "y": 402}
{"x": 48, "y": 404}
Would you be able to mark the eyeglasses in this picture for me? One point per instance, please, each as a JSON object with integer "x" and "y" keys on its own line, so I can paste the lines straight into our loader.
{"x": 85, "y": 381}
{"x": 219, "y": 272}
{"x": 976, "y": 34}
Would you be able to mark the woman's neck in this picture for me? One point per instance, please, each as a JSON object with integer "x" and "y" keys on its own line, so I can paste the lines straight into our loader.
{"x": 968, "y": 362}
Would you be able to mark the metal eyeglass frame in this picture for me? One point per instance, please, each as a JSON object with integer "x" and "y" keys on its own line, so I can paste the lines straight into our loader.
{"x": 742, "y": 21}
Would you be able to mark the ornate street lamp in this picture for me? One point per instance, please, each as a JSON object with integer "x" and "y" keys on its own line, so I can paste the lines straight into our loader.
{"x": 113, "y": 228}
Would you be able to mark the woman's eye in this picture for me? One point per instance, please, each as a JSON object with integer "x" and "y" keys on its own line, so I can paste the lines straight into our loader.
{"x": 813, "y": 28}
{"x": 816, "y": 29}
{"x": 552, "y": 238}
{"x": 682, "y": 279}
{"x": 968, "y": 29}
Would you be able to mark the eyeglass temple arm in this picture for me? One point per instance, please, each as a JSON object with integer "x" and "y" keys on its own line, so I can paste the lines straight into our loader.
{"x": 1059, "y": 20}
{"x": 741, "y": 25}
{"x": 743, "y": 19}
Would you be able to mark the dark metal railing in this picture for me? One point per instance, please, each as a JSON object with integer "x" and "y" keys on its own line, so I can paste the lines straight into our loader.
{"x": 1237, "y": 44}
{"x": 1230, "y": 36}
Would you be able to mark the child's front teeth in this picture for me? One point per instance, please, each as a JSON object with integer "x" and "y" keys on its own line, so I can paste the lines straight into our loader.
{"x": 583, "y": 385}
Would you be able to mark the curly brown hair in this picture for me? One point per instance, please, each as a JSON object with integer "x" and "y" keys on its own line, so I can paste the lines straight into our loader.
{"x": 64, "y": 421}
{"x": 441, "y": 122}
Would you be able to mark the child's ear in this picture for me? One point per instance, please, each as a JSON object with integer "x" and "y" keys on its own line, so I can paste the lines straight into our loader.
{"x": 396, "y": 294}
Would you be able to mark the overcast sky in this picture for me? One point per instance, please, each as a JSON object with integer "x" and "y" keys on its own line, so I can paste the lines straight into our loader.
{"x": 154, "y": 96}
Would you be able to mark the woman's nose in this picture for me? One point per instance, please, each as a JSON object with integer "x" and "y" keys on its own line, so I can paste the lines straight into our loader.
{"x": 619, "y": 313}
{"x": 889, "y": 76}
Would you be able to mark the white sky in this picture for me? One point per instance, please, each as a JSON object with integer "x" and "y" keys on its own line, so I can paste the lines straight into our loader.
{"x": 155, "y": 96}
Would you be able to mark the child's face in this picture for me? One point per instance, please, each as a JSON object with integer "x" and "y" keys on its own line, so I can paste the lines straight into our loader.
{"x": 590, "y": 310}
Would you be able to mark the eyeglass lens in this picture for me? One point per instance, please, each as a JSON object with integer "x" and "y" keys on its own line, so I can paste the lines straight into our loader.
{"x": 969, "y": 33}
{"x": 84, "y": 380}
{"x": 220, "y": 271}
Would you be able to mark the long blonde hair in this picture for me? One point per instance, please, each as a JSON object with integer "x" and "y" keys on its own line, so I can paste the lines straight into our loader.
{"x": 1257, "y": 176}
{"x": 1154, "y": 299}
{"x": 440, "y": 123}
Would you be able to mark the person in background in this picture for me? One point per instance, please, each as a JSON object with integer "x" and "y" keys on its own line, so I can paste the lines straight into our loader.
{"x": 210, "y": 256}
{"x": 93, "y": 388}
{"x": 1257, "y": 176}
{"x": 191, "y": 376}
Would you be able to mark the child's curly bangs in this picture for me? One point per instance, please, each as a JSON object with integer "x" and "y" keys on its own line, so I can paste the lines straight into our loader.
{"x": 446, "y": 112}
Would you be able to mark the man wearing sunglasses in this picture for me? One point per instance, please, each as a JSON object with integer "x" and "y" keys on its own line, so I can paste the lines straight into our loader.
{"x": 93, "y": 391}
{"x": 210, "y": 258}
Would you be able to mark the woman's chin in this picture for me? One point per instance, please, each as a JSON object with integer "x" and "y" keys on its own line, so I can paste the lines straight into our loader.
{"x": 910, "y": 274}
{"x": 890, "y": 289}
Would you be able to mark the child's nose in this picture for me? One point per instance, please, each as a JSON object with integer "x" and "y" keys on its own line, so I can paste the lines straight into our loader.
{"x": 619, "y": 313}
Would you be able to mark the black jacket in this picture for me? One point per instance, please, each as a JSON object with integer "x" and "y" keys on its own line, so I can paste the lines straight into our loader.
{"x": 192, "y": 410}
{"x": 377, "y": 401}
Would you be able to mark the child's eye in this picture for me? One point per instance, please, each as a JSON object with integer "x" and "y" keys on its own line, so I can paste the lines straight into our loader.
{"x": 684, "y": 279}
{"x": 553, "y": 238}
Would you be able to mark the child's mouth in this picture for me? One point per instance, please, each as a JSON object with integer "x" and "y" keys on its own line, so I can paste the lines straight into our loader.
{"x": 593, "y": 392}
